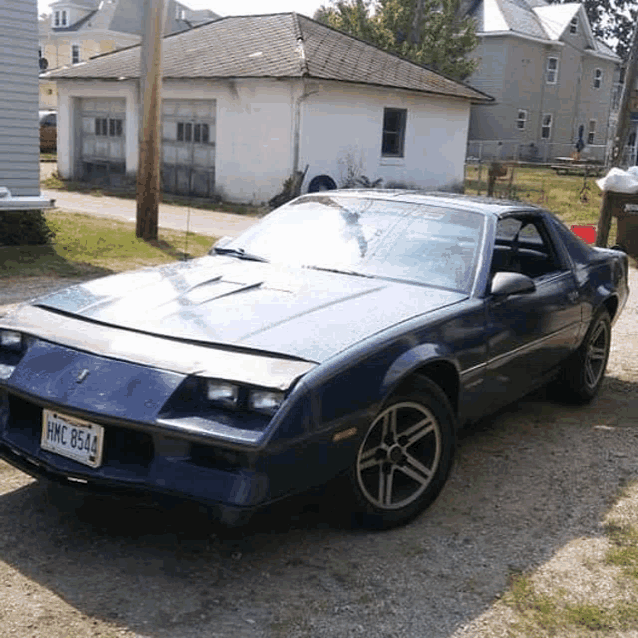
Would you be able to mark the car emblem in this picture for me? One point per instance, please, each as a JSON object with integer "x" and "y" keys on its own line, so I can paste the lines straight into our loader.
{"x": 82, "y": 375}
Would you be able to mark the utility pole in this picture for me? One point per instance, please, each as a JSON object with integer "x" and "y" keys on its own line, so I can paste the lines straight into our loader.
{"x": 620, "y": 137}
{"x": 148, "y": 171}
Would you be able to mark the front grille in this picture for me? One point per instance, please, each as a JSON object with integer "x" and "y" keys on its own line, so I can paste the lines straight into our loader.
{"x": 123, "y": 447}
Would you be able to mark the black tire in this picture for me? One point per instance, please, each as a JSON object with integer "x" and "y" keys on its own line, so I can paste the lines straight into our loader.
{"x": 584, "y": 372}
{"x": 405, "y": 457}
{"x": 321, "y": 183}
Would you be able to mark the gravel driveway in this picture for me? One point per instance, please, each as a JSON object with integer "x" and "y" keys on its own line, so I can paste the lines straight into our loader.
{"x": 526, "y": 483}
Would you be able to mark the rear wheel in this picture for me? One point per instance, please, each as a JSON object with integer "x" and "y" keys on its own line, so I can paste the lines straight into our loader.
{"x": 405, "y": 457}
{"x": 584, "y": 372}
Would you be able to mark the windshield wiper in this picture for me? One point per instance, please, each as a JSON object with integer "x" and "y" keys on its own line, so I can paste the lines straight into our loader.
{"x": 239, "y": 253}
{"x": 340, "y": 271}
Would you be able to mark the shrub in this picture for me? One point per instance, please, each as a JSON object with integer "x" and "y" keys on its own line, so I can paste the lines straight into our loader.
{"x": 24, "y": 227}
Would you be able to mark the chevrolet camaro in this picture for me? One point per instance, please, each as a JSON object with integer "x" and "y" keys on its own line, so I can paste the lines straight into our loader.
{"x": 345, "y": 337}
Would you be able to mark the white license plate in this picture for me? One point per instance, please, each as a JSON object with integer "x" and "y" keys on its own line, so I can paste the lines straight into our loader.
{"x": 74, "y": 438}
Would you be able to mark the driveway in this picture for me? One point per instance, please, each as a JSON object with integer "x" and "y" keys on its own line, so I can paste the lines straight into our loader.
{"x": 527, "y": 483}
{"x": 196, "y": 220}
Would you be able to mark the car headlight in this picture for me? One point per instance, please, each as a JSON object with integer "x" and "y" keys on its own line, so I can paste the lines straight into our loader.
{"x": 11, "y": 340}
{"x": 266, "y": 401}
{"x": 223, "y": 393}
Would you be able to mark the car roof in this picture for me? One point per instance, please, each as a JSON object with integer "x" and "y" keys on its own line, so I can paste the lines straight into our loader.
{"x": 471, "y": 203}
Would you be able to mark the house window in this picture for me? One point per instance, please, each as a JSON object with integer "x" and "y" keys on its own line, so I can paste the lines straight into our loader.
{"x": 552, "y": 70}
{"x": 56, "y": 19}
{"x": 393, "y": 139}
{"x": 189, "y": 132}
{"x": 591, "y": 134}
{"x": 573, "y": 25}
{"x": 546, "y": 126}
{"x": 598, "y": 78}
{"x": 63, "y": 18}
{"x": 111, "y": 127}
{"x": 75, "y": 53}
{"x": 521, "y": 119}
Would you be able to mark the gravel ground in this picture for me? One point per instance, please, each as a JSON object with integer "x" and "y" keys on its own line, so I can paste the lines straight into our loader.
{"x": 530, "y": 489}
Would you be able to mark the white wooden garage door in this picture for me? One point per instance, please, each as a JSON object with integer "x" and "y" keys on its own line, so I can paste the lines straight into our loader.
{"x": 188, "y": 147}
{"x": 103, "y": 154}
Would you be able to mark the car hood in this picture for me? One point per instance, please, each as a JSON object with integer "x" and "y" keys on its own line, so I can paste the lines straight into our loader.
{"x": 302, "y": 313}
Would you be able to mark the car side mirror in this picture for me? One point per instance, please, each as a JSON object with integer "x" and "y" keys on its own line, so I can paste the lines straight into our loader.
{"x": 511, "y": 283}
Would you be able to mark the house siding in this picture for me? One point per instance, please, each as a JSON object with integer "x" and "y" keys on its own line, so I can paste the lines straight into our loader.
{"x": 19, "y": 134}
{"x": 513, "y": 70}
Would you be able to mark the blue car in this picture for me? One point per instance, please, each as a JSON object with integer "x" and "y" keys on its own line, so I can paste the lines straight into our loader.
{"x": 345, "y": 337}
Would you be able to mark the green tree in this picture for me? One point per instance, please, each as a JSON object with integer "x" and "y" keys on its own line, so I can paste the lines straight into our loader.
{"x": 612, "y": 21}
{"x": 432, "y": 33}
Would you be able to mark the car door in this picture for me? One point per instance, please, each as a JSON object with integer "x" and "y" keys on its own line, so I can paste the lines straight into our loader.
{"x": 529, "y": 334}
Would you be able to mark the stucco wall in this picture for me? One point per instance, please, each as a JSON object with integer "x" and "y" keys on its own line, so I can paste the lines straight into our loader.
{"x": 259, "y": 120}
{"x": 342, "y": 125}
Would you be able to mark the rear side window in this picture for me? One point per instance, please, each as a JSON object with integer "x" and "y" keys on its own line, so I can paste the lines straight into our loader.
{"x": 578, "y": 250}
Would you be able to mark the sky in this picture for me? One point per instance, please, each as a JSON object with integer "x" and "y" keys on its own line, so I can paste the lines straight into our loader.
{"x": 238, "y": 7}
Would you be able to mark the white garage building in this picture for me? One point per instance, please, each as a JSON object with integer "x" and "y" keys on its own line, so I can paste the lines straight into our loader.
{"x": 249, "y": 100}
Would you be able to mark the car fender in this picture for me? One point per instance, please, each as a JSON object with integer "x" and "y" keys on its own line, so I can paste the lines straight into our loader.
{"x": 413, "y": 360}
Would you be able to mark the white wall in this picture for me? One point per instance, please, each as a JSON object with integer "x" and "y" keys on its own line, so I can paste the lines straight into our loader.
{"x": 253, "y": 134}
{"x": 342, "y": 126}
{"x": 69, "y": 128}
{"x": 256, "y": 129}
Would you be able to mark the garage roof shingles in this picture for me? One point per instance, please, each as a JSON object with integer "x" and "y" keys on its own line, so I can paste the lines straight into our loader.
{"x": 284, "y": 45}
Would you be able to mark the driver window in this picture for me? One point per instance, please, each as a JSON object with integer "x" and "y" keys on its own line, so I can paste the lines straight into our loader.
{"x": 522, "y": 246}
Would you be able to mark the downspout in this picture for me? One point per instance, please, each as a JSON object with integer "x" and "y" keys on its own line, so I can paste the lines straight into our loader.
{"x": 303, "y": 64}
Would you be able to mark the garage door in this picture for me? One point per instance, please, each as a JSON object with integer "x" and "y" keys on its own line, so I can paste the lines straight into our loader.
{"x": 103, "y": 140}
{"x": 188, "y": 147}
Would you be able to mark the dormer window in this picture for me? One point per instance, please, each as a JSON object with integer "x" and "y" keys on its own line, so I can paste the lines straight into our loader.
{"x": 56, "y": 19}
{"x": 573, "y": 25}
{"x": 63, "y": 18}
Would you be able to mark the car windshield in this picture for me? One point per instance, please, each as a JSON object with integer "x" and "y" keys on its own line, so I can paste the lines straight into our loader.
{"x": 412, "y": 242}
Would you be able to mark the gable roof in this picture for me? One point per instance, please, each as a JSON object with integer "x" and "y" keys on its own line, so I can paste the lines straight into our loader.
{"x": 535, "y": 19}
{"x": 284, "y": 45}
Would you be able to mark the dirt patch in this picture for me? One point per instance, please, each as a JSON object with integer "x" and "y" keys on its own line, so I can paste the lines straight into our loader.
{"x": 530, "y": 485}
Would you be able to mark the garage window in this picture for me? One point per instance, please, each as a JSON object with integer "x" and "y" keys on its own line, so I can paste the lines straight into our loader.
{"x": 111, "y": 127}
{"x": 393, "y": 140}
{"x": 190, "y": 132}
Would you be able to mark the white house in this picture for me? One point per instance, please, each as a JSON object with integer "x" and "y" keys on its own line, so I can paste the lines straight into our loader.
{"x": 249, "y": 100}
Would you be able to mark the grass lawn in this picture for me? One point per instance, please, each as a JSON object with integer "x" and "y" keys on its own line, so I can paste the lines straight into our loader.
{"x": 87, "y": 246}
{"x": 575, "y": 199}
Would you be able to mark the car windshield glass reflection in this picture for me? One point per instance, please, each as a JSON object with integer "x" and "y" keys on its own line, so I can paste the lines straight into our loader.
{"x": 370, "y": 237}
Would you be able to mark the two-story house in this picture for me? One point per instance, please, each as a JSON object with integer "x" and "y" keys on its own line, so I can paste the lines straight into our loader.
{"x": 79, "y": 29}
{"x": 552, "y": 81}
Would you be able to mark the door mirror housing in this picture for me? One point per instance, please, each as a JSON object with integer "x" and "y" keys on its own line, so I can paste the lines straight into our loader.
{"x": 511, "y": 283}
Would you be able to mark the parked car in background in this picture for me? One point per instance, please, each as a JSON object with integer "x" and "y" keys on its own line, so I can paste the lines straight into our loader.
{"x": 48, "y": 131}
{"x": 347, "y": 336}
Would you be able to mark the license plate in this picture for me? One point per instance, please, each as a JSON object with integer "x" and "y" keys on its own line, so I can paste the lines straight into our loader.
{"x": 74, "y": 438}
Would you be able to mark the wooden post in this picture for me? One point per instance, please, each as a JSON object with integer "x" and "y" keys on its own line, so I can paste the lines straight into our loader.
{"x": 620, "y": 138}
{"x": 148, "y": 171}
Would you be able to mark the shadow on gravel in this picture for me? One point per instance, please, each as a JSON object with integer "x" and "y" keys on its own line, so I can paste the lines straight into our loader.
{"x": 526, "y": 482}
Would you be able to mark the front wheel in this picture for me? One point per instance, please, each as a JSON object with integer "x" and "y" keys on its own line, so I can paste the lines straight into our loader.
{"x": 405, "y": 457}
{"x": 584, "y": 372}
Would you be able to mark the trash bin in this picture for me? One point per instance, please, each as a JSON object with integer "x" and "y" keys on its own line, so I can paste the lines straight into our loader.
{"x": 627, "y": 229}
